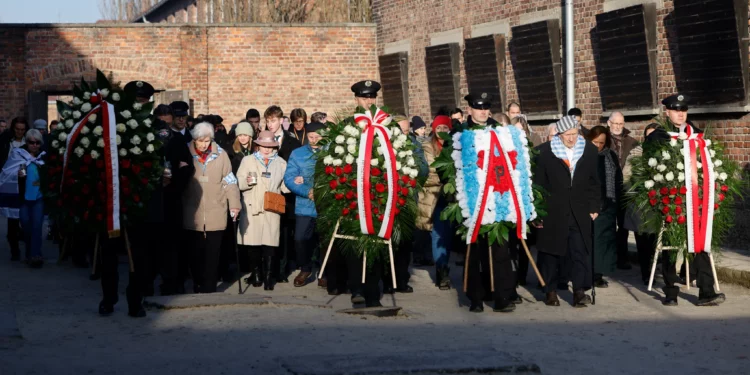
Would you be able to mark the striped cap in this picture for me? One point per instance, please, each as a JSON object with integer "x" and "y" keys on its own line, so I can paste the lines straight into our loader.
{"x": 566, "y": 123}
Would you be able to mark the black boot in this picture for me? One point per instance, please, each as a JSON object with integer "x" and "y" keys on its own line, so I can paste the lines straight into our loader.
{"x": 443, "y": 279}
{"x": 670, "y": 295}
{"x": 269, "y": 280}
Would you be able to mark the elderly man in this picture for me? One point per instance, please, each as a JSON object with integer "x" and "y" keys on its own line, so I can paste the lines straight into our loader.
{"x": 567, "y": 168}
{"x": 622, "y": 144}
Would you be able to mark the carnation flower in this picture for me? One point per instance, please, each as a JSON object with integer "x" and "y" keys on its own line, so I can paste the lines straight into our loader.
{"x": 76, "y": 115}
{"x": 123, "y": 152}
{"x": 121, "y": 128}
{"x": 398, "y": 165}
{"x": 673, "y": 142}
{"x": 86, "y": 107}
{"x": 396, "y": 130}
{"x": 137, "y": 106}
{"x": 665, "y": 155}
{"x": 401, "y": 138}
{"x": 680, "y": 166}
{"x": 85, "y": 129}
{"x": 147, "y": 122}
{"x": 351, "y": 148}
{"x": 77, "y": 101}
{"x": 338, "y": 150}
{"x": 328, "y": 160}
{"x": 150, "y": 137}
{"x": 132, "y": 123}
{"x": 410, "y": 162}
{"x": 55, "y": 144}
{"x": 362, "y": 124}
{"x": 681, "y": 177}
{"x": 661, "y": 168}
{"x": 723, "y": 176}
{"x": 79, "y": 151}
{"x": 374, "y": 162}
{"x": 87, "y": 95}
{"x": 104, "y": 92}
{"x": 69, "y": 124}
{"x": 351, "y": 130}
{"x": 66, "y": 113}
{"x": 116, "y": 97}
{"x": 718, "y": 163}
{"x": 713, "y": 153}
{"x": 340, "y": 139}
{"x": 94, "y": 154}
{"x": 125, "y": 114}
{"x": 652, "y": 162}
{"x": 85, "y": 142}
{"x": 150, "y": 148}
{"x": 136, "y": 140}
{"x": 136, "y": 151}
{"x": 648, "y": 184}
{"x": 92, "y": 118}
{"x": 351, "y": 141}
{"x": 401, "y": 155}
{"x": 669, "y": 176}
{"x": 118, "y": 140}
{"x": 337, "y": 162}
{"x": 62, "y": 137}
{"x": 413, "y": 173}
{"x": 98, "y": 130}
{"x": 61, "y": 150}
{"x": 658, "y": 177}
{"x": 100, "y": 143}
{"x": 349, "y": 159}
{"x": 398, "y": 144}
{"x": 409, "y": 152}
{"x": 708, "y": 142}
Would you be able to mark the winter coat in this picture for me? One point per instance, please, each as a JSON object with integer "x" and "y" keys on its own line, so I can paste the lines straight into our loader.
{"x": 430, "y": 193}
{"x": 627, "y": 144}
{"x": 211, "y": 189}
{"x": 602, "y": 171}
{"x": 301, "y": 136}
{"x": 238, "y": 156}
{"x": 302, "y": 163}
{"x": 579, "y": 197}
{"x": 258, "y": 227}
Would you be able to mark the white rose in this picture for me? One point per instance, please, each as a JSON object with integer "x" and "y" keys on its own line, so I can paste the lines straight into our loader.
{"x": 723, "y": 176}
{"x": 396, "y": 130}
{"x": 125, "y": 114}
{"x": 409, "y": 152}
{"x": 661, "y": 168}
{"x": 85, "y": 129}
{"x": 652, "y": 162}
{"x": 398, "y": 165}
{"x": 401, "y": 155}
{"x": 669, "y": 176}
{"x": 648, "y": 184}
{"x": 136, "y": 140}
{"x": 98, "y": 130}
{"x": 398, "y": 145}
{"x": 116, "y": 97}
{"x": 86, "y": 107}
{"x": 682, "y": 136}
{"x": 121, "y": 128}
{"x": 658, "y": 177}
{"x": 351, "y": 141}
{"x": 69, "y": 124}
{"x": 66, "y": 113}
{"x": 413, "y": 173}
{"x": 338, "y": 150}
{"x": 708, "y": 143}
{"x": 87, "y": 95}
{"x": 118, "y": 140}
{"x": 718, "y": 163}
{"x": 380, "y": 151}
{"x": 349, "y": 159}
{"x": 150, "y": 137}
{"x": 77, "y": 101}
{"x": 147, "y": 122}
{"x": 94, "y": 154}
{"x": 104, "y": 92}
{"x": 673, "y": 142}
{"x": 374, "y": 162}
{"x": 680, "y": 166}
{"x": 713, "y": 153}
{"x": 76, "y": 115}
{"x": 150, "y": 148}
{"x": 85, "y": 142}
{"x": 328, "y": 160}
{"x": 92, "y": 118}
{"x": 132, "y": 123}
{"x": 100, "y": 143}
{"x": 61, "y": 150}
{"x": 700, "y": 165}
{"x": 681, "y": 177}
{"x": 62, "y": 137}
{"x": 340, "y": 139}
{"x": 362, "y": 124}
{"x": 123, "y": 152}
{"x": 336, "y": 162}
{"x": 401, "y": 138}
{"x": 410, "y": 162}
{"x": 665, "y": 155}
{"x": 351, "y": 148}
{"x": 55, "y": 144}
{"x": 135, "y": 150}
{"x": 137, "y": 106}
{"x": 79, "y": 151}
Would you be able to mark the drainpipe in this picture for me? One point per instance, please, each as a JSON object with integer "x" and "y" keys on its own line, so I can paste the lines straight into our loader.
{"x": 570, "y": 76}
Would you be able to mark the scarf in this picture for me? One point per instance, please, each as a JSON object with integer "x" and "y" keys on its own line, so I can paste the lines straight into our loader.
{"x": 558, "y": 148}
{"x": 203, "y": 156}
{"x": 18, "y": 157}
{"x": 609, "y": 172}
{"x": 617, "y": 143}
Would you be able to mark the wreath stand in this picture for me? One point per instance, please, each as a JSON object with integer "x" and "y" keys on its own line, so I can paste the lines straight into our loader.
{"x": 364, "y": 254}
{"x": 660, "y": 248}
{"x": 96, "y": 252}
{"x": 492, "y": 273}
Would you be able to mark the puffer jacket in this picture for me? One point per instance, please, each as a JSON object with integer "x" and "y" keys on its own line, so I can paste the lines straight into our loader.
{"x": 301, "y": 163}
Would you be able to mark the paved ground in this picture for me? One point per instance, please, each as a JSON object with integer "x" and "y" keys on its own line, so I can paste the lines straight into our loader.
{"x": 627, "y": 332}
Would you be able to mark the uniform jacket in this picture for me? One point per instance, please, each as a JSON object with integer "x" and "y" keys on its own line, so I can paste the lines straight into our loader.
{"x": 579, "y": 197}
{"x": 258, "y": 227}
{"x": 210, "y": 193}
{"x": 301, "y": 163}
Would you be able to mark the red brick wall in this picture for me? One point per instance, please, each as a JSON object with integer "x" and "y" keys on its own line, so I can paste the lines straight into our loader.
{"x": 226, "y": 70}
{"x": 417, "y": 20}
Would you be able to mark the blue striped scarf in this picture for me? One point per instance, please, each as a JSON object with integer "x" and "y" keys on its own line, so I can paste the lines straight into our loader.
{"x": 558, "y": 148}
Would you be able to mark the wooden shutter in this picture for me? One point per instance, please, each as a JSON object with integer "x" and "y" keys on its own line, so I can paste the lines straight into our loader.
{"x": 37, "y": 106}
{"x": 484, "y": 61}
{"x": 535, "y": 54}
{"x": 394, "y": 77}
{"x": 626, "y": 58}
{"x": 441, "y": 63}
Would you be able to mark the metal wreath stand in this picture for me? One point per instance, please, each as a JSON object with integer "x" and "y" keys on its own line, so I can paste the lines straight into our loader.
{"x": 660, "y": 248}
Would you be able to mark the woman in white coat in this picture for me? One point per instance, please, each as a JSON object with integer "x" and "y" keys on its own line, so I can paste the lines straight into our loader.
{"x": 261, "y": 172}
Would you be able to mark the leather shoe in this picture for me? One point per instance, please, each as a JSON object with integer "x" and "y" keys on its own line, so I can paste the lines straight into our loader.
{"x": 517, "y": 299}
{"x": 335, "y": 292}
{"x": 322, "y": 283}
{"x": 138, "y": 312}
{"x": 669, "y": 302}
{"x": 405, "y": 289}
{"x": 581, "y": 299}
{"x": 301, "y": 279}
{"x": 551, "y": 299}
{"x": 106, "y": 309}
{"x": 357, "y": 298}
{"x": 509, "y": 307}
{"x": 601, "y": 283}
{"x": 476, "y": 307}
{"x": 714, "y": 300}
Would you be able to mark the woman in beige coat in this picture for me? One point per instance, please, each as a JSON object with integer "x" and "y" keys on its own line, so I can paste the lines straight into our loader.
{"x": 261, "y": 172}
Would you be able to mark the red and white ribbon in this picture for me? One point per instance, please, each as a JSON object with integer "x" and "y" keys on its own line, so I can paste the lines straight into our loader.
{"x": 375, "y": 126}
{"x": 112, "y": 172}
{"x": 700, "y": 210}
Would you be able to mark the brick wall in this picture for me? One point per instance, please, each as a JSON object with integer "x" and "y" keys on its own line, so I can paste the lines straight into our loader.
{"x": 419, "y": 20}
{"x": 226, "y": 70}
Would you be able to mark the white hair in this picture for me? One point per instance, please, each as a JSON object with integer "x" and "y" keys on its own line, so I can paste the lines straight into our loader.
{"x": 616, "y": 113}
{"x": 552, "y": 126}
{"x": 202, "y": 130}
{"x": 35, "y": 135}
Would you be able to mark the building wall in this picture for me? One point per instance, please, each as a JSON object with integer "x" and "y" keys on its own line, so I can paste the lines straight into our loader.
{"x": 410, "y": 25}
{"x": 225, "y": 70}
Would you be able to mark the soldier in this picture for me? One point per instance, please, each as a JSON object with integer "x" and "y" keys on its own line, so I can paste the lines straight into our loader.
{"x": 142, "y": 90}
{"x": 479, "y": 112}
{"x": 180, "y": 114}
{"x": 676, "y": 110}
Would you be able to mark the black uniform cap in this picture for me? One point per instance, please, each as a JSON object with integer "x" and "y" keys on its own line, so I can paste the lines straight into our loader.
{"x": 313, "y": 127}
{"x": 366, "y": 89}
{"x": 179, "y": 108}
{"x": 678, "y": 102}
{"x": 140, "y": 89}
{"x": 479, "y": 100}
{"x": 162, "y": 110}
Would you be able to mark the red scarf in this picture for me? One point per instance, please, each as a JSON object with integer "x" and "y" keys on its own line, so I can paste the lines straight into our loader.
{"x": 202, "y": 156}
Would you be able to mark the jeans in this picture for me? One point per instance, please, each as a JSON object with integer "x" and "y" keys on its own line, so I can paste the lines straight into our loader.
{"x": 441, "y": 236}
{"x": 32, "y": 218}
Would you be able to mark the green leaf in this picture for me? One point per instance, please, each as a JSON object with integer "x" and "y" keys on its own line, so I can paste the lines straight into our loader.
{"x": 84, "y": 85}
{"x": 492, "y": 237}
{"x": 101, "y": 81}
{"x": 444, "y": 136}
{"x": 504, "y": 232}
{"x": 62, "y": 106}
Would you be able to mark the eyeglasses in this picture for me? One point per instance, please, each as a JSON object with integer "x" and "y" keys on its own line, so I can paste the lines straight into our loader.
{"x": 35, "y": 143}
{"x": 618, "y": 123}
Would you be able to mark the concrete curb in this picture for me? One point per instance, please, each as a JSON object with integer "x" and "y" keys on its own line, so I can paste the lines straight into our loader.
{"x": 191, "y": 301}
{"x": 724, "y": 274}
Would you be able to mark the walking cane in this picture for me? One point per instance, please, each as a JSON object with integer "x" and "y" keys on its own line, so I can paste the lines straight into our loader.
{"x": 237, "y": 254}
{"x": 593, "y": 251}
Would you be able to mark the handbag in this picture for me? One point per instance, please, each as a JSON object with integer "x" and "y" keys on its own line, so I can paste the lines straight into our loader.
{"x": 274, "y": 202}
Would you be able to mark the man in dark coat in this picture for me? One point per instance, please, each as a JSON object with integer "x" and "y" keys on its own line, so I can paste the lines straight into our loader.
{"x": 567, "y": 169}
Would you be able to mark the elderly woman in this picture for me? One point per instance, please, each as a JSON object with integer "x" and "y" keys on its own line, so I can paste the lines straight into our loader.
{"x": 208, "y": 195}
{"x": 260, "y": 173}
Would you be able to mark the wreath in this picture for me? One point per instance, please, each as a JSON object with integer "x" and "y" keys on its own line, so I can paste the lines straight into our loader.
{"x": 104, "y": 160}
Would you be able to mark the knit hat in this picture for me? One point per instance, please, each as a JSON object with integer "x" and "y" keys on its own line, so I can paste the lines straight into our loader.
{"x": 40, "y": 124}
{"x": 243, "y": 128}
{"x": 441, "y": 120}
{"x": 314, "y": 127}
{"x": 417, "y": 123}
{"x": 566, "y": 123}
{"x": 266, "y": 138}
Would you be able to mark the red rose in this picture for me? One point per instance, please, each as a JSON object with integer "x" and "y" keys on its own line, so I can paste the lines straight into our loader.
{"x": 87, "y": 159}
{"x": 404, "y": 191}
{"x": 84, "y": 169}
{"x": 136, "y": 169}
{"x": 100, "y": 164}
{"x": 147, "y": 164}
{"x": 664, "y": 191}
{"x": 724, "y": 188}
{"x": 678, "y": 210}
{"x": 652, "y": 201}
{"x": 125, "y": 164}
{"x": 348, "y": 168}
{"x": 669, "y": 219}
{"x": 333, "y": 184}
{"x": 349, "y": 194}
{"x": 397, "y": 211}
{"x": 665, "y": 200}
{"x": 721, "y": 197}
{"x": 100, "y": 187}
{"x": 683, "y": 190}
{"x": 681, "y": 220}
{"x": 85, "y": 189}
{"x": 405, "y": 179}
{"x": 68, "y": 173}
{"x": 678, "y": 201}
{"x": 353, "y": 204}
{"x": 401, "y": 201}
{"x": 91, "y": 203}
{"x": 345, "y": 211}
{"x": 716, "y": 206}
{"x": 339, "y": 197}
{"x": 356, "y": 217}
{"x": 125, "y": 191}
{"x": 329, "y": 169}
{"x": 124, "y": 209}
{"x": 375, "y": 210}
{"x": 339, "y": 171}
{"x": 144, "y": 181}
{"x": 353, "y": 183}
{"x": 95, "y": 99}
{"x": 99, "y": 217}
{"x": 136, "y": 198}
{"x": 380, "y": 217}
{"x": 413, "y": 183}
{"x": 342, "y": 179}
{"x": 379, "y": 188}
{"x": 673, "y": 191}
{"x": 375, "y": 172}
{"x": 59, "y": 203}
{"x": 665, "y": 210}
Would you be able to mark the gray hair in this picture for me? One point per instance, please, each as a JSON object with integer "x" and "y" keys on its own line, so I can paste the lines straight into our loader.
{"x": 34, "y": 135}
{"x": 202, "y": 130}
{"x": 615, "y": 113}
{"x": 552, "y": 126}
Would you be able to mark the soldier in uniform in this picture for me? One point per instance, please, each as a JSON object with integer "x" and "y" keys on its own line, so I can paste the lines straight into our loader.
{"x": 142, "y": 90}
{"x": 179, "y": 125}
{"x": 676, "y": 110}
{"x": 479, "y": 112}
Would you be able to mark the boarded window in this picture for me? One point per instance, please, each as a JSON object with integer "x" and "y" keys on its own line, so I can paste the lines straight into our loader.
{"x": 441, "y": 63}
{"x": 535, "y": 53}
{"x": 626, "y": 58}
{"x": 394, "y": 76}
{"x": 484, "y": 60}
{"x": 712, "y": 43}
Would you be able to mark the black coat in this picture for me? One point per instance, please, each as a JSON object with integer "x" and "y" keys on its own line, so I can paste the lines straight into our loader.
{"x": 602, "y": 172}
{"x": 288, "y": 144}
{"x": 237, "y": 157}
{"x": 301, "y": 136}
{"x": 176, "y": 151}
{"x": 579, "y": 198}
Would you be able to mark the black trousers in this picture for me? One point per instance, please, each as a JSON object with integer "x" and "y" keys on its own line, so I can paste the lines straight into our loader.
{"x": 14, "y": 235}
{"x": 205, "y": 251}
{"x": 646, "y": 245}
{"x": 621, "y": 239}
{"x": 401, "y": 261}
{"x": 174, "y": 258}
{"x": 336, "y": 272}
{"x": 503, "y": 271}
{"x": 522, "y": 260}
{"x": 286, "y": 256}
{"x": 227, "y": 256}
{"x": 704, "y": 277}
{"x": 305, "y": 242}
{"x": 580, "y": 263}
{"x": 137, "y": 280}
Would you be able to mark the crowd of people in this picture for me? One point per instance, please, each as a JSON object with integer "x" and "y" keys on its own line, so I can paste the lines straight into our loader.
{"x": 246, "y": 190}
